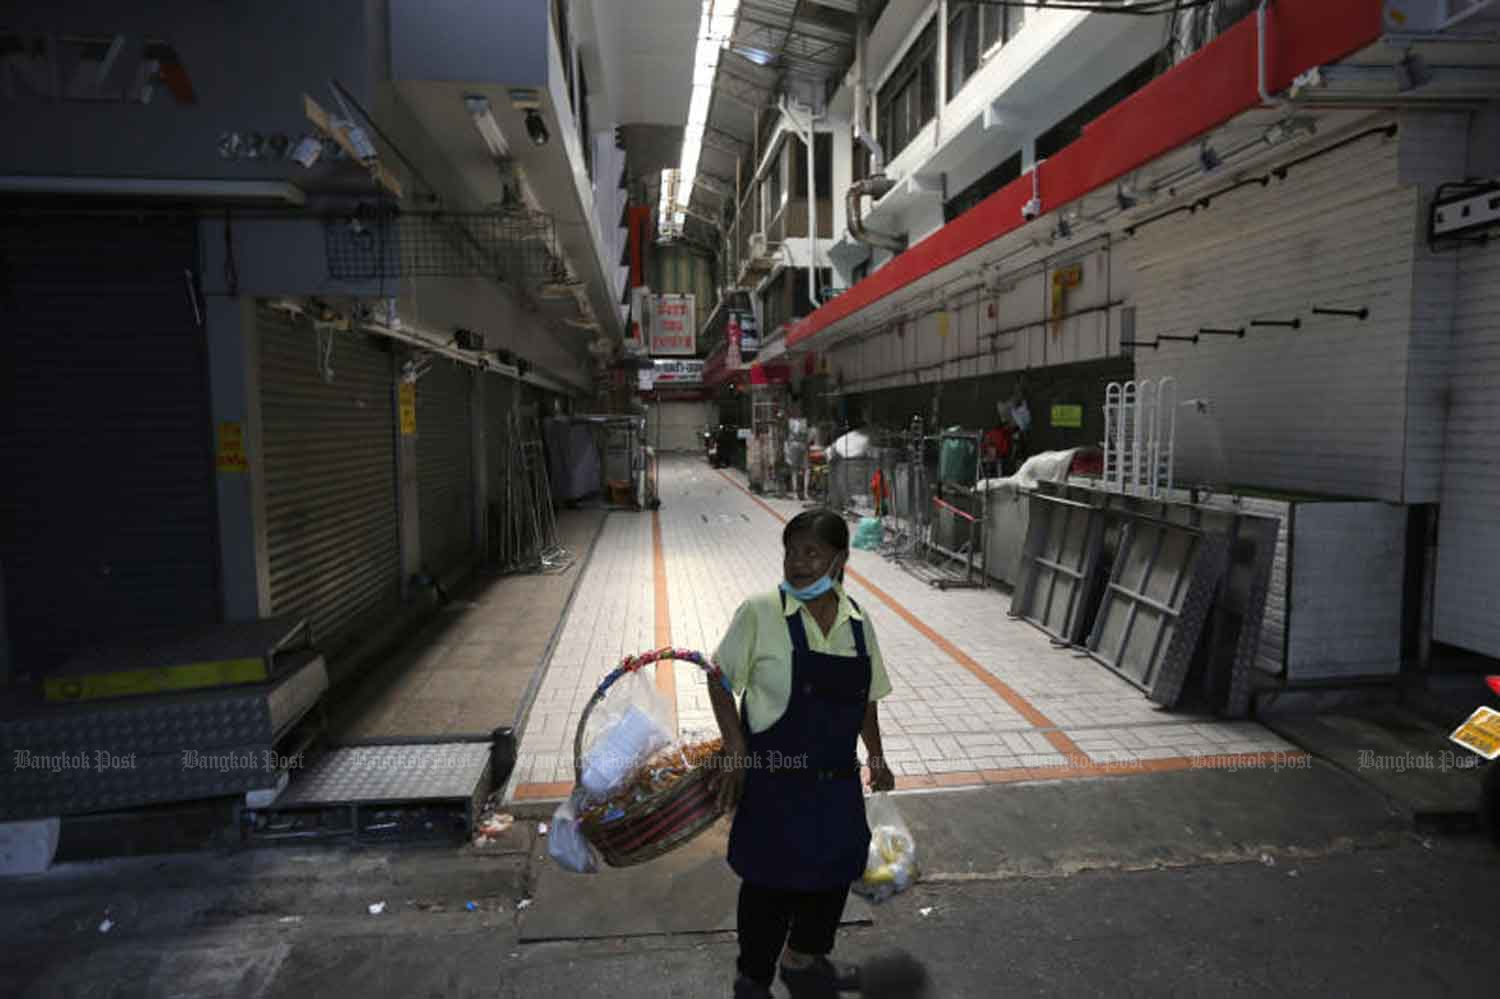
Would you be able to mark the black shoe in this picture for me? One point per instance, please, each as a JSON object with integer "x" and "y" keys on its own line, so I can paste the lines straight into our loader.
{"x": 745, "y": 988}
{"x": 821, "y": 978}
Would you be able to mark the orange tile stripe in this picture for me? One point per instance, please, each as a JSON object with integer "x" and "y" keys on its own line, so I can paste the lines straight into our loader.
{"x": 666, "y": 682}
{"x": 1171, "y": 764}
{"x": 666, "y": 678}
{"x": 972, "y": 778}
{"x": 1019, "y": 704}
{"x": 1016, "y": 775}
{"x": 543, "y": 792}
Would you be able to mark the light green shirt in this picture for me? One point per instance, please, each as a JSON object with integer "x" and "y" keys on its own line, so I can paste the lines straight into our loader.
{"x": 756, "y": 652}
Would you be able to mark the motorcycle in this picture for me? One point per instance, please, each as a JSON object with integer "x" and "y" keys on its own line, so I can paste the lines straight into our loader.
{"x": 710, "y": 446}
{"x": 724, "y": 448}
{"x": 1480, "y": 733}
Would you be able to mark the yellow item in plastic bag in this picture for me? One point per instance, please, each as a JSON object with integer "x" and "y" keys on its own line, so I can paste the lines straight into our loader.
{"x": 891, "y": 865}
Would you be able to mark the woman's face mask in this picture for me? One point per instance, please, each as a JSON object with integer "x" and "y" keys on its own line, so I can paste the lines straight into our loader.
{"x": 810, "y": 567}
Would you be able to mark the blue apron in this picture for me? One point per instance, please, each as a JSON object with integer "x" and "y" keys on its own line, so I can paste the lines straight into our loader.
{"x": 800, "y": 825}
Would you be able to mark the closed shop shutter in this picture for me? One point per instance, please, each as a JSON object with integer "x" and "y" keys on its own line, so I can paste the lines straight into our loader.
{"x": 330, "y": 478}
{"x": 1468, "y": 556}
{"x": 109, "y": 523}
{"x": 677, "y": 426}
{"x": 1321, "y": 409}
{"x": 445, "y": 466}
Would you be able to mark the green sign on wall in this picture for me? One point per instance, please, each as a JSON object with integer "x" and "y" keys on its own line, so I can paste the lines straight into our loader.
{"x": 1064, "y": 415}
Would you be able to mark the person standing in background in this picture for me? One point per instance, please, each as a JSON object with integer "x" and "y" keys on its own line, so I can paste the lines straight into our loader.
{"x": 796, "y": 451}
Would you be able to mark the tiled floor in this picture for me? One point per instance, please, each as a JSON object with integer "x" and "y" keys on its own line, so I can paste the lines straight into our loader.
{"x": 467, "y": 671}
{"x": 977, "y": 697}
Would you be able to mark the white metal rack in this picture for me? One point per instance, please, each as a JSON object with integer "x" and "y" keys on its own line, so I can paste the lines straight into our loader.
{"x": 1140, "y": 436}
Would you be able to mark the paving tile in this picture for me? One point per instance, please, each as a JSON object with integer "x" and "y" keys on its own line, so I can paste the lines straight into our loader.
{"x": 719, "y": 546}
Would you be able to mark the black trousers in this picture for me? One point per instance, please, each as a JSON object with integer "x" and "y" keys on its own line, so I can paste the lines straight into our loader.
{"x": 770, "y": 918}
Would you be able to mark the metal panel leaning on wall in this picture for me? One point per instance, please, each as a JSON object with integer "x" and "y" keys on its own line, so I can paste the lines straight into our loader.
{"x": 330, "y": 476}
{"x": 445, "y": 466}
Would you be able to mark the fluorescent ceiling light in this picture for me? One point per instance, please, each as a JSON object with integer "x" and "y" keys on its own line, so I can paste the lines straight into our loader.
{"x": 758, "y": 56}
{"x": 489, "y": 130}
{"x": 715, "y": 27}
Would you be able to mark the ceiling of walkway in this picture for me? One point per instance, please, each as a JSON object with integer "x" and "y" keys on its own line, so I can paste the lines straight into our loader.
{"x": 646, "y": 47}
{"x": 777, "y": 45}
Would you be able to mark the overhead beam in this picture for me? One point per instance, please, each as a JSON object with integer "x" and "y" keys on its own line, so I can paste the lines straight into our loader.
{"x": 724, "y": 142}
{"x": 738, "y": 88}
{"x": 713, "y": 182}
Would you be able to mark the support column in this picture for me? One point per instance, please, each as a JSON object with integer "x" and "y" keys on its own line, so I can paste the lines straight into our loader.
{"x": 234, "y": 386}
{"x": 942, "y": 74}
{"x": 404, "y": 398}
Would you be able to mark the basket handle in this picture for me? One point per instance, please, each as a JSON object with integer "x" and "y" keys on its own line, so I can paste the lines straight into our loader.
{"x": 633, "y": 664}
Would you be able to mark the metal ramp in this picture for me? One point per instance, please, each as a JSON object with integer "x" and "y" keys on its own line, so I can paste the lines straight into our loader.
{"x": 1161, "y": 586}
{"x": 432, "y": 790}
{"x": 1064, "y": 541}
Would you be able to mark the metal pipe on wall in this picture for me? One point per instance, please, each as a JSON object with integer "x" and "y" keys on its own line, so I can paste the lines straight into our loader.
{"x": 812, "y": 204}
{"x": 875, "y": 185}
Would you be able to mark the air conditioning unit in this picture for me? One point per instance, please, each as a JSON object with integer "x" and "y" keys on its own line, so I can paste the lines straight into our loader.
{"x": 758, "y": 244}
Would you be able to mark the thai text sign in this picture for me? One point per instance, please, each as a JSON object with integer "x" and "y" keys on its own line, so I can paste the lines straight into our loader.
{"x": 675, "y": 330}
{"x": 678, "y": 373}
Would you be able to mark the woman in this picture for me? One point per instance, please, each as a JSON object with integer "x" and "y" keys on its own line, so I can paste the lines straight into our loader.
{"x": 805, "y": 660}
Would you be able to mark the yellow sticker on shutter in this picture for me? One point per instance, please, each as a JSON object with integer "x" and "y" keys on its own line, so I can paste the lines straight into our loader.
{"x": 407, "y": 395}
{"x": 231, "y": 451}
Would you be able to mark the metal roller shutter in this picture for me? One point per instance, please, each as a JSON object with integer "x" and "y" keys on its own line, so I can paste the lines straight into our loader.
{"x": 445, "y": 466}
{"x": 677, "y": 426}
{"x": 1468, "y": 556}
{"x": 109, "y": 523}
{"x": 330, "y": 478}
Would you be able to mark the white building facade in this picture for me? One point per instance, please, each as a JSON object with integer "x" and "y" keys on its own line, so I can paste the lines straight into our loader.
{"x": 1240, "y": 197}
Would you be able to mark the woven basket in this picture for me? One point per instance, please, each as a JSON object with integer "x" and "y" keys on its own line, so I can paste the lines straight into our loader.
{"x": 661, "y": 822}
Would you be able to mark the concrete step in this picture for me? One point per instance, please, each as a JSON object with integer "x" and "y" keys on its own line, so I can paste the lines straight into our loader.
{"x": 1402, "y": 754}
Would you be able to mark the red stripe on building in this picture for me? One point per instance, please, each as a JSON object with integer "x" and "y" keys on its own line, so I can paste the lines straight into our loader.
{"x": 1199, "y": 94}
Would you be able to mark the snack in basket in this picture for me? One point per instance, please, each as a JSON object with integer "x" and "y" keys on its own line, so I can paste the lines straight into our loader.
{"x": 638, "y": 793}
{"x": 657, "y": 774}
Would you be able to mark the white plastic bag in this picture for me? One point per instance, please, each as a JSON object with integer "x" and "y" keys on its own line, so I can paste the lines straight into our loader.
{"x": 892, "y": 864}
{"x": 854, "y": 444}
{"x": 566, "y": 843}
{"x": 633, "y": 727}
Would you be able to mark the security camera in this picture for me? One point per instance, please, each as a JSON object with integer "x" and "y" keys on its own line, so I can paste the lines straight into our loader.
{"x": 1032, "y": 209}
